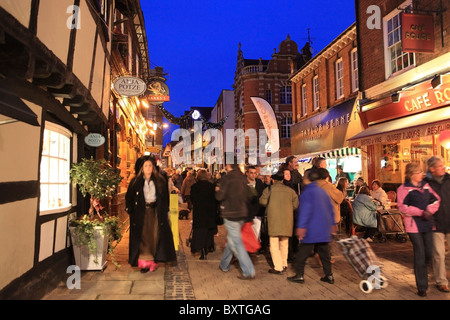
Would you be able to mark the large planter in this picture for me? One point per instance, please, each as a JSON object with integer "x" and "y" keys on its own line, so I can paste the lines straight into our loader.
{"x": 85, "y": 259}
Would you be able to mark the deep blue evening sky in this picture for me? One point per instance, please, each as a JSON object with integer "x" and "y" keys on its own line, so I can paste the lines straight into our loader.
{"x": 196, "y": 42}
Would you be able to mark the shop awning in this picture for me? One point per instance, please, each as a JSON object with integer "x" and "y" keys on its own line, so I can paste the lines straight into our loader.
{"x": 343, "y": 152}
{"x": 14, "y": 108}
{"x": 418, "y": 125}
{"x": 335, "y": 153}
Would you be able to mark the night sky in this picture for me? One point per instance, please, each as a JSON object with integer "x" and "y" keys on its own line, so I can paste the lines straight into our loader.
{"x": 196, "y": 42}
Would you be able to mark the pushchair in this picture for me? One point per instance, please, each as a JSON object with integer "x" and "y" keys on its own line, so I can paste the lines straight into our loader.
{"x": 390, "y": 222}
{"x": 362, "y": 258}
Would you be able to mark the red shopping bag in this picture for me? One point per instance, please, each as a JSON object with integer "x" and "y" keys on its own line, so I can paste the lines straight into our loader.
{"x": 249, "y": 239}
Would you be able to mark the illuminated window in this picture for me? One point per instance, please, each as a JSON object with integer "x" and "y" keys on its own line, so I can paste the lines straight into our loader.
{"x": 396, "y": 59}
{"x": 339, "y": 79}
{"x": 354, "y": 62}
{"x": 304, "y": 101}
{"x": 55, "y": 165}
{"x": 316, "y": 92}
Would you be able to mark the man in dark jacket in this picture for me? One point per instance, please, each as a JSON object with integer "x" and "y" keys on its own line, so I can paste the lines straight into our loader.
{"x": 296, "y": 177}
{"x": 439, "y": 180}
{"x": 233, "y": 193}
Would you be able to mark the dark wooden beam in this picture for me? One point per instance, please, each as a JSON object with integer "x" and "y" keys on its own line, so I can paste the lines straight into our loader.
{"x": 41, "y": 97}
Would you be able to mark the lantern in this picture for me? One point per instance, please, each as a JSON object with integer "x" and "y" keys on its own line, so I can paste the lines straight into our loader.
{"x": 444, "y": 139}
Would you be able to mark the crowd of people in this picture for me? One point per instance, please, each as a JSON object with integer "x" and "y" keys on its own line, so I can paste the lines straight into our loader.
{"x": 293, "y": 216}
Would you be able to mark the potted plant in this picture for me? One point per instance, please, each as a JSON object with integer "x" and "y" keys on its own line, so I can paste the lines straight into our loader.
{"x": 96, "y": 233}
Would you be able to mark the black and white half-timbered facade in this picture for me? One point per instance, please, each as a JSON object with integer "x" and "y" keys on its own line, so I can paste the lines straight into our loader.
{"x": 56, "y": 70}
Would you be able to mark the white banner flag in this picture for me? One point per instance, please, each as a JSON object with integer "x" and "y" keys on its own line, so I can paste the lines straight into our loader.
{"x": 269, "y": 121}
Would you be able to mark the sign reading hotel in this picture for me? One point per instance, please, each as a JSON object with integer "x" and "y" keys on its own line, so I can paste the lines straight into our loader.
{"x": 157, "y": 92}
{"x": 417, "y": 32}
{"x": 129, "y": 86}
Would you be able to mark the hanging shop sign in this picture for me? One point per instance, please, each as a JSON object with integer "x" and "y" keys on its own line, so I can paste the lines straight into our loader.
{"x": 129, "y": 86}
{"x": 157, "y": 92}
{"x": 417, "y": 32}
{"x": 94, "y": 139}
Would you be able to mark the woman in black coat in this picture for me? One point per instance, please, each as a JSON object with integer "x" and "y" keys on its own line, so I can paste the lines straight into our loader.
{"x": 147, "y": 203}
{"x": 205, "y": 206}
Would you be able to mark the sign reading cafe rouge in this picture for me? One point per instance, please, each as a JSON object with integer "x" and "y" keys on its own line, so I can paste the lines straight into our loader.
{"x": 130, "y": 86}
{"x": 417, "y": 32}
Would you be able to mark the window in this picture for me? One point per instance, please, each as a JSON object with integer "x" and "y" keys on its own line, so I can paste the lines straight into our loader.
{"x": 286, "y": 127}
{"x": 285, "y": 95}
{"x": 269, "y": 96}
{"x": 354, "y": 62}
{"x": 339, "y": 79}
{"x": 396, "y": 59}
{"x": 304, "y": 104}
{"x": 316, "y": 92}
{"x": 55, "y": 165}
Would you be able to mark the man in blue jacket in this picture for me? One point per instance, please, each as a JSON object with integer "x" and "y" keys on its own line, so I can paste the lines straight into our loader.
{"x": 315, "y": 224}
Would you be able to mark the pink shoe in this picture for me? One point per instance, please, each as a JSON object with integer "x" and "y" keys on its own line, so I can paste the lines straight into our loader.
{"x": 153, "y": 266}
{"x": 144, "y": 264}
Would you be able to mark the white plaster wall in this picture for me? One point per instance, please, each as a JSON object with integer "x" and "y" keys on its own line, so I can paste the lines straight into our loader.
{"x": 46, "y": 245}
{"x": 19, "y": 149}
{"x": 52, "y": 27}
{"x": 19, "y": 9}
{"x": 97, "y": 78}
{"x": 17, "y": 234}
{"x": 19, "y": 155}
{"x": 84, "y": 45}
{"x": 61, "y": 234}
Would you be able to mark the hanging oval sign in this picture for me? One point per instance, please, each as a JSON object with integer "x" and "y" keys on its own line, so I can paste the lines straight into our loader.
{"x": 129, "y": 86}
{"x": 94, "y": 139}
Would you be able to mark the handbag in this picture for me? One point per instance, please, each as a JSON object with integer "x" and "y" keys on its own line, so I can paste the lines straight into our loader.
{"x": 249, "y": 239}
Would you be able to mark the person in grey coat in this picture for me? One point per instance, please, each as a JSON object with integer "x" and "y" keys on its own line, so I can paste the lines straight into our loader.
{"x": 280, "y": 217}
{"x": 365, "y": 212}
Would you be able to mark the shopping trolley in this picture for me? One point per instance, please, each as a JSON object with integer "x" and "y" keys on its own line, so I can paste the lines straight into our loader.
{"x": 390, "y": 222}
{"x": 362, "y": 258}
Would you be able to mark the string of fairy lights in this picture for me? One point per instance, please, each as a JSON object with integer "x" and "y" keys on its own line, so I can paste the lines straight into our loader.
{"x": 177, "y": 121}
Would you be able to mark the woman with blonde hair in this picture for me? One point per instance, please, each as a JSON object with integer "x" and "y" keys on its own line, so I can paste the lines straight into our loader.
{"x": 418, "y": 202}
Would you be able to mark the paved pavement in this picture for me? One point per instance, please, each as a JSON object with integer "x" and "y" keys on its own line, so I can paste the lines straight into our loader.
{"x": 194, "y": 279}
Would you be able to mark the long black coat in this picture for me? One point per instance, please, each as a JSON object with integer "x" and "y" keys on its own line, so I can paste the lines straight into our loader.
{"x": 135, "y": 206}
{"x": 442, "y": 216}
{"x": 205, "y": 205}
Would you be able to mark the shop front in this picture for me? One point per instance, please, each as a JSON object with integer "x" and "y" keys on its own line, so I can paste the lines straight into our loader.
{"x": 325, "y": 135}
{"x": 408, "y": 130}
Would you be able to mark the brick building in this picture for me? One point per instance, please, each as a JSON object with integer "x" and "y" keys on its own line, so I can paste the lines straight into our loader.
{"x": 267, "y": 79}
{"x": 404, "y": 84}
{"x": 324, "y": 95}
